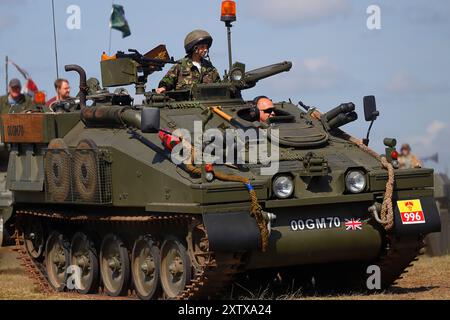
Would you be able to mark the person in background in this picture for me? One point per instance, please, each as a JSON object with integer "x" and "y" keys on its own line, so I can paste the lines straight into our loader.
{"x": 15, "y": 101}
{"x": 62, "y": 89}
{"x": 406, "y": 159}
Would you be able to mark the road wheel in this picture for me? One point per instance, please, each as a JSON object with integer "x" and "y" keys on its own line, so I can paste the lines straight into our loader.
{"x": 145, "y": 268}
{"x": 175, "y": 267}
{"x": 84, "y": 255}
{"x": 198, "y": 246}
{"x": 114, "y": 266}
{"x": 57, "y": 260}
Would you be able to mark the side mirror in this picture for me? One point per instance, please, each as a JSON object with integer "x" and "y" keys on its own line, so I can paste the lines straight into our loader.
{"x": 370, "y": 108}
{"x": 150, "y": 120}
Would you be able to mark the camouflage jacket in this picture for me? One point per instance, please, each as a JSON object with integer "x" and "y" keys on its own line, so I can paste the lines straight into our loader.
{"x": 184, "y": 75}
{"x": 25, "y": 103}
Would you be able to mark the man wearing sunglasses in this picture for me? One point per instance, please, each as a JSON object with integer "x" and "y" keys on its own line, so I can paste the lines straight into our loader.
{"x": 266, "y": 108}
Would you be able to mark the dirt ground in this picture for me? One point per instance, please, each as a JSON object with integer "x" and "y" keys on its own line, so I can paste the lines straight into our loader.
{"x": 429, "y": 278}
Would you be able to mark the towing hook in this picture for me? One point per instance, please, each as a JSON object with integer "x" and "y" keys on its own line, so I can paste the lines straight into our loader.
{"x": 373, "y": 210}
{"x": 270, "y": 218}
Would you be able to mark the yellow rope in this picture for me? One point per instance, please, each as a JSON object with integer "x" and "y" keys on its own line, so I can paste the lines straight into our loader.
{"x": 255, "y": 208}
{"x": 387, "y": 210}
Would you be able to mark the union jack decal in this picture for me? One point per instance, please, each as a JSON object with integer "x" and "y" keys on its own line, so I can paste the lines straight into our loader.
{"x": 353, "y": 224}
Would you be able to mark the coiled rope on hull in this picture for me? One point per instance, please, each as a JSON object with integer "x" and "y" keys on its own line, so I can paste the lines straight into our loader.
{"x": 256, "y": 210}
{"x": 387, "y": 210}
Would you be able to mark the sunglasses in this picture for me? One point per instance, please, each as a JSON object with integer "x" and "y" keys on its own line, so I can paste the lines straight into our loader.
{"x": 269, "y": 111}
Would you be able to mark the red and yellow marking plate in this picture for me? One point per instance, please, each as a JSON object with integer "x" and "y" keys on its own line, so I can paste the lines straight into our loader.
{"x": 411, "y": 211}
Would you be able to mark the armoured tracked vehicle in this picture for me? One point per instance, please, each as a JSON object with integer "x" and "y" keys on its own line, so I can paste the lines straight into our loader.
{"x": 5, "y": 197}
{"x": 101, "y": 207}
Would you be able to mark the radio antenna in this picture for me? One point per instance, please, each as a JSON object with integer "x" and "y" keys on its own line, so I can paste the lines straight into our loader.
{"x": 54, "y": 39}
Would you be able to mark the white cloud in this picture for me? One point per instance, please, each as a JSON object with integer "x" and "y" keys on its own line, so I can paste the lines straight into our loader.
{"x": 288, "y": 12}
{"x": 432, "y": 133}
{"x": 316, "y": 74}
{"x": 317, "y": 64}
{"x": 401, "y": 83}
{"x": 435, "y": 128}
{"x": 434, "y": 139}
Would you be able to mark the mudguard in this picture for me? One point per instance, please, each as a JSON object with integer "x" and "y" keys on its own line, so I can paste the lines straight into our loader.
{"x": 232, "y": 231}
{"x": 416, "y": 216}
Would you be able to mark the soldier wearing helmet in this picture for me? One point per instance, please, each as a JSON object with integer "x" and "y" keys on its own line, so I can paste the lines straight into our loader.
{"x": 194, "y": 68}
{"x": 406, "y": 159}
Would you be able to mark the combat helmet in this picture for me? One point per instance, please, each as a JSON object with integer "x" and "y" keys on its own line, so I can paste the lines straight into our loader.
{"x": 195, "y": 38}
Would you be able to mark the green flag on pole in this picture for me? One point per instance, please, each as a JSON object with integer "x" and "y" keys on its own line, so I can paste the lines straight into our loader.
{"x": 118, "y": 21}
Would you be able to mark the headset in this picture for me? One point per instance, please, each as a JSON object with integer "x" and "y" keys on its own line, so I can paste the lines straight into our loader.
{"x": 254, "y": 111}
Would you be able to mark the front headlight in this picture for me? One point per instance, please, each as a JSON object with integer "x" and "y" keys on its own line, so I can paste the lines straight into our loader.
{"x": 283, "y": 187}
{"x": 355, "y": 181}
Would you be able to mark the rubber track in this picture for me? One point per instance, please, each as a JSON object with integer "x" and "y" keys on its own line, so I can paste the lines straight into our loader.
{"x": 400, "y": 255}
{"x": 213, "y": 277}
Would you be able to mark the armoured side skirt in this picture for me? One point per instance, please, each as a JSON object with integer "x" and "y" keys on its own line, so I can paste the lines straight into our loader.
{"x": 235, "y": 231}
{"x": 416, "y": 216}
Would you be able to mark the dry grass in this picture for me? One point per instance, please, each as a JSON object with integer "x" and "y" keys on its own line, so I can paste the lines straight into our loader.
{"x": 429, "y": 278}
{"x": 14, "y": 283}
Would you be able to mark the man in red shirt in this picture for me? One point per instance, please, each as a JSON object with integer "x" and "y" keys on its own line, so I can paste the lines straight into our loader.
{"x": 62, "y": 88}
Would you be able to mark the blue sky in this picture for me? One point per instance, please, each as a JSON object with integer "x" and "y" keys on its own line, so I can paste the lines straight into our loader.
{"x": 336, "y": 58}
